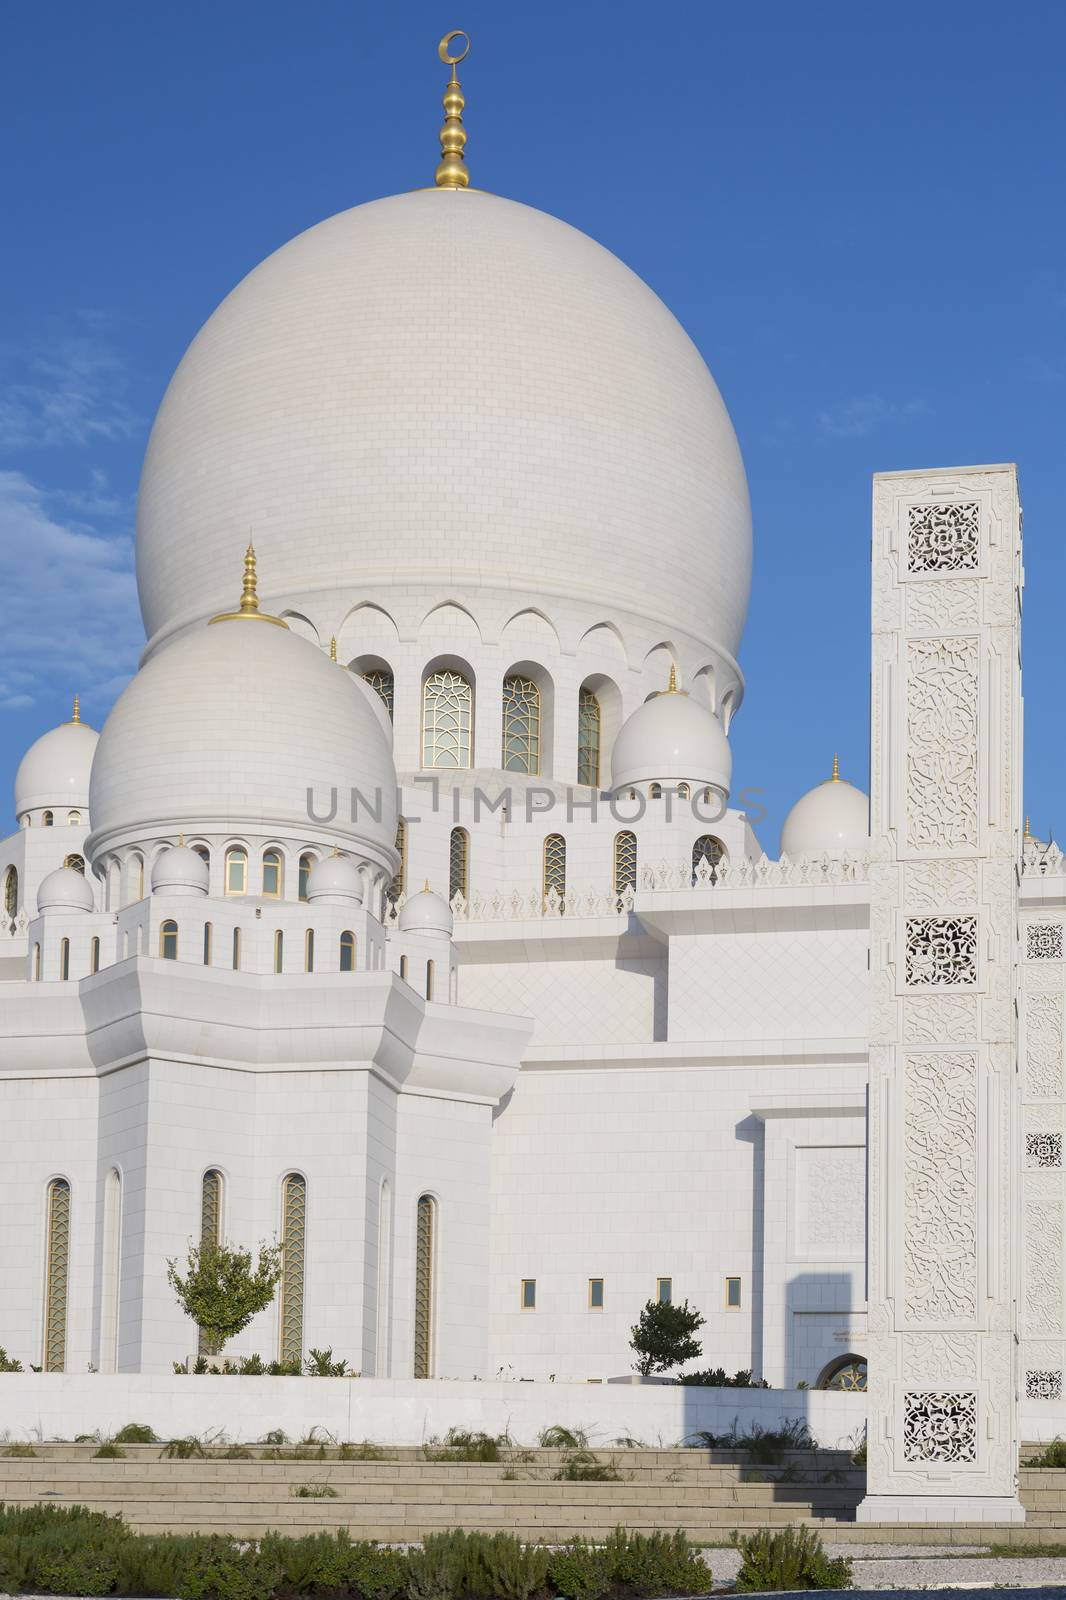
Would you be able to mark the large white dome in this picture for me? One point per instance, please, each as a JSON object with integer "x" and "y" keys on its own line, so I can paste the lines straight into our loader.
{"x": 227, "y": 730}
{"x": 447, "y": 387}
{"x": 54, "y": 772}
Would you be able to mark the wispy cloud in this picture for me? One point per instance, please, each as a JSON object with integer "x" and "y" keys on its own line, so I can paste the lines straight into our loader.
{"x": 70, "y": 614}
{"x": 69, "y": 386}
{"x": 859, "y": 416}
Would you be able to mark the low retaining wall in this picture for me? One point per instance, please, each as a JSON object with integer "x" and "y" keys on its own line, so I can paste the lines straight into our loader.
{"x": 46, "y": 1405}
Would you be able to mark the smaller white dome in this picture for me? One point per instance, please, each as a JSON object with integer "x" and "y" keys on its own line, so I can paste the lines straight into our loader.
{"x": 180, "y": 871}
{"x": 832, "y": 819}
{"x": 335, "y": 881}
{"x": 65, "y": 890}
{"x": 426, "y": 912}
{"x": 672, "y": 739}
{"x": 53, "y": 775}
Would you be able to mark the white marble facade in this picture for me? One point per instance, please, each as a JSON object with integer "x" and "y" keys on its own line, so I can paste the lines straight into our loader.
{"x": 632, "y": 1055}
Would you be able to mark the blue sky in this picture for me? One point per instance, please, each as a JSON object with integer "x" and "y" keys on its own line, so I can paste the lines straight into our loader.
{"x": 855, "y": 210}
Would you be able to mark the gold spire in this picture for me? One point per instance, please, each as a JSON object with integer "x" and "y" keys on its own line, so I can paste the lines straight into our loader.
{"x": 452, "y": 172}
{"x": 671, "y": 685}
{"x": 834, "y": 776}
{"x": 333, "y": 647}
{"x": 1027, "y": 834}
{"x": 75, "y": 715}
{"x": 249, "y": 606}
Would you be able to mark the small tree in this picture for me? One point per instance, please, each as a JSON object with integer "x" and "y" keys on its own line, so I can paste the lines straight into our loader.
{"x": 221, "y": 1290}
{"x": 663, "y": 1337}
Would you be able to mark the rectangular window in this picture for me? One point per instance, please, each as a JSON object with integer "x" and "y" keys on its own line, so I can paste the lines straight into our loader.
{"x": 529, "y": 1294}
{"x": 665, "y": 1291}
{"x": 732, "y": 1294}
{"x": 595, "y": 1294}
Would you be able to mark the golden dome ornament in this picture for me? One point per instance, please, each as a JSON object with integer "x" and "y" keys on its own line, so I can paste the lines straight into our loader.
{"x": 452, "y": 171}
{"x": 249, "y": 606}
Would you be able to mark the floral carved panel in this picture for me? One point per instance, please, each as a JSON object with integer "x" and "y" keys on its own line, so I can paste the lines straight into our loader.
{"x": 1043, "y": 1149}
{"x": 943, "y": 538}
{"x": 1043, "y": 1046}
{"x": 940, "y": 1194}
{"x": 939, "y": 1357}
{"x": 934, "y": 885}
{"x": 941, "y": 952}
{"x": 1043, "y": 941}
{"x": 950, "y": 1019}
{"x": 940, "y": 1427}
{"x": 1043, "y": 1384}
{"x": 942, "y": 742}
{"x": 1043, "y": 1254}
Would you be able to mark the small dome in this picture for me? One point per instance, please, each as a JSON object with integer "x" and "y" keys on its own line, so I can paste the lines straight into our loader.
{"x": 180, "y": 871}
{"x": 672, "y": 739}
{"x": 65, "y": 890}
{"x": 426, "y": 912}
{"x": 53, "y": 775}
{"x": 335, "y": 881}
{"x": 832, "y": 819}
{"x": 245, "y": 727}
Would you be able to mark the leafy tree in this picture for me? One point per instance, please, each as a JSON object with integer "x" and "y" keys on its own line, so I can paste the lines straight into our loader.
{"x": 663, "y": 1337}
{"x": 221, "y": 1290}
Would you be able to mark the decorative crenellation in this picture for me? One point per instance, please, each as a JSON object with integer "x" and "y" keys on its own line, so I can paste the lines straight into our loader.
{"x": 940, "y": 1426}
{"x": 940, "y": 1198}
{"x": 943, "y": 537}
{"x": 941, "y": 952}
{"x": 1043, "y": 941}
{"x": 1042, "y": 860}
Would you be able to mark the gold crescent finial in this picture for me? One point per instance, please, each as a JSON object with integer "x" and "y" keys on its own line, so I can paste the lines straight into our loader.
{"x": 452, "y": 172}
{"x": 75, "y": 715}
{"x": 834, "y": 776}
{"x": 249, "y": 606}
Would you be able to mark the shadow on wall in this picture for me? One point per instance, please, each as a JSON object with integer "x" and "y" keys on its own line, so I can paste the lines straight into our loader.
{"x": 823, "y": 1326}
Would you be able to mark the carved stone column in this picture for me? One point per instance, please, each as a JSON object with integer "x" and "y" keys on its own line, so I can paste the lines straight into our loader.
{"x": 943, "y": 1141}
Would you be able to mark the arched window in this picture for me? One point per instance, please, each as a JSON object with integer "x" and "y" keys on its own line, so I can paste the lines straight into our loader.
{"x": 94, "y": 955}
{"x": 306, "y": 863}
{"x": 425, "y": 1254}
{"x": 47, "y": 820}
{"x": 236, "y": 949}
{"x": 208, "y": 941}
{"x": 384, "y": 1284}
{"x": 64, "y": 959}
{"x": 111, "y": 1271}
{"x": 683, "y": 791}
{"x": 309, "y": 950}
{"x": 273, "y": 874}
{"x": 279, "y": 950}
{"x": 168, "y": 941}
{"x": 75, "y": 863}
{"x": 137, "y": 877}
{"x": 656, "y": 791}
{"x": 383, "y": 683}
{"x": 459, "y": 864}
{"x": 236, "y": 870}
{"x": 554, "y": 876}
{"x": 73, "y": 819}
{"x": 588, "y": 739}
{"x": 521, "y": 726}
{"x": 57, "y": 1276}
{"x": 347, "y": 951}
{"x": 210, "y": 1232}
{"x": 294, "y": 1236}
{"x": 429, "y": 980}
{"x": 36, "y": 963}
{"x": 625, "y": 861}
{"x": 707, "y": 849}
{"x": 11, "y": 893}
{"x": 203, "y": 852}
{"x": 399, "y": 883}
{"x": 403, "y": 968}
{"x": 447, "y": 708}
{"x": 847, "y": 1373}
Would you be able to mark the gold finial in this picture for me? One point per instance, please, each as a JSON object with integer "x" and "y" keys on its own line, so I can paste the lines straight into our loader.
{"x": 181, "y": 841}
{"x": 1027, "y": 834}
{"x": 249, "y": 606}
{"x": 671, "y": 687}
{"x": 834, "y": 776}
{"x": 333, "y": 647}
{"x": 452, "y": 172}
{"x": 425, "y": 885}
{"x": 75, "y": 715}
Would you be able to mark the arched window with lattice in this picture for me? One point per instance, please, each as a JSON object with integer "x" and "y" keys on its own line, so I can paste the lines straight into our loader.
{"x": 521, "y": 725}
{"x": 347, "y": 951}
{"x": 210, "y": 1233}
{"x": 589, "y": 726}
{"x": 425, "y": 1285}
{"x": 294, "y": 1239}
{"x": 236, "y": 870}
{"x": 168, "y": 940}
{"x": 554, "y": 873}
{"x": 849, "y": 1373}
{"x": 306, "y": 863}
{"x": 706, "y": 852}
{"x": 383, "y": 683}
{"x": 447, "y": 720}
{"x": 459, "y": 864}
{"x": 625, "y": 862}
{"x": 398, "y": 885}
{"x": 76, "y": 863}
{"x": 57, "y": 1276}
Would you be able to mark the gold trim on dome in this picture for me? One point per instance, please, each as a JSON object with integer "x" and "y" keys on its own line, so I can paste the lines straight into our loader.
{"x": 249, "y": 606}
{"x": 452, "y": 173}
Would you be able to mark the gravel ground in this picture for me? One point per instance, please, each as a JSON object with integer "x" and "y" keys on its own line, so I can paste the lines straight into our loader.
{"x": 919, "y": 1567}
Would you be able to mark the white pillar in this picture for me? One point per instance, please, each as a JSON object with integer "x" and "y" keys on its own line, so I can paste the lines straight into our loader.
{"x": 945, "y": 804}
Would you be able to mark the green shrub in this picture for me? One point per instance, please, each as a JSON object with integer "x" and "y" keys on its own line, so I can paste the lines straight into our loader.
{"x": 559, "y": 1438}
{"x": 136, "y": 1433}
{"x": 18, "y": 1450}
{"x": 320, "y": 1364}
{"x": 764, "y": 1445}
{"x": 718, "y": 1378}
{"x": 577, "y": 1571}
{"x": 237, "y": 1452}
{"x": 438, "y": 1570}
{"x": 1052, "y": 1455}
{"x": 218, "y": 1569}
{"x": 109, "y": 1451}
{"x": 459, "y": 1444}
{"x": 794, "y": 1558}
{"x": 581, "y": 1466}
{"x": 185, "y": 1449}
{"x": 314, "y": 1491}
{"x": 8, "y": 1363}
{"x": 365, "y": 1450}
{"x": 655, "y": 1564}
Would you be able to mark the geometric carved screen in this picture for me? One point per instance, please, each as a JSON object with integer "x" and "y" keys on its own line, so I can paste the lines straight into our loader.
{"x": 941, "y": 951}
{"x": 57, "y": 1276}
{"x": 940, "y": 1428}
{"x": 943, "y": 538}
{"x": 1044, "y": 1384}
{"x": 941, "y": 766}
{"x": 425, "y": 1248}
{"x": 588, "y": 739}
{"x": 210, "y": 1234}
{"x": 940, "y": 1198}
{"x": 294, "y": 1230}
{"x": 1043, "y": 941}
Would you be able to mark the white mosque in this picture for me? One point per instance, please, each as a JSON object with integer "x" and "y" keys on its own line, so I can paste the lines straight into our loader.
{"x": 400, "y": 911}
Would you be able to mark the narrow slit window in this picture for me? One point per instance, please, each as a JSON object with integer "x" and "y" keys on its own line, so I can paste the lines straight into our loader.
{"x": 57, "y": 1276}
{"x": 94, "y": 956}
{"x": 168, "y": 941}
{"x": 64, "y": 959}
{"x": 732, "y": 1294}
{"x": 664, "y": 1292}
{"x": 236, "y": 949}
{"x": 425, "y": 1286}
{"x": 347, "y": 952}
{"x": 207, "y": 943}
{"x": 595, "y": 1294}
{"x": 309, "y": 950}
{"x": 529, "y": 1294}
{"x": 279, "y": 950}
{"x": 294, "y": 1236}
